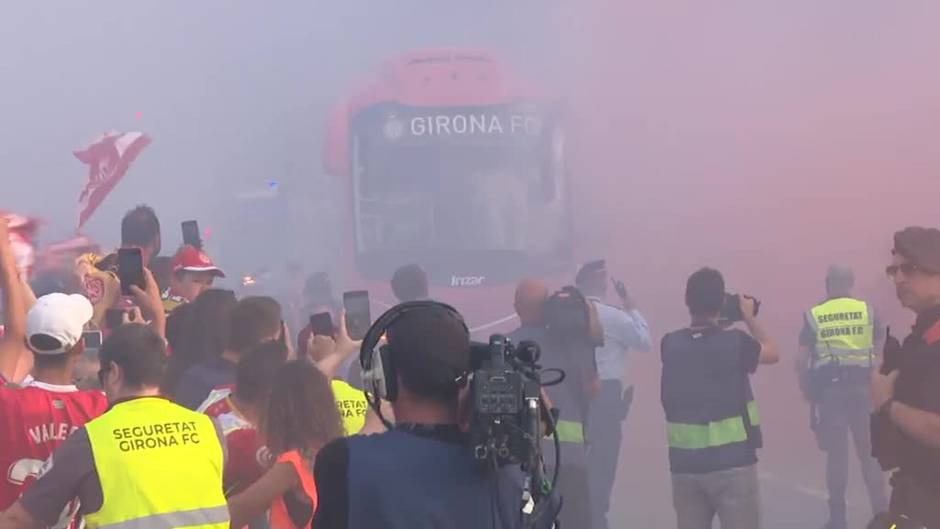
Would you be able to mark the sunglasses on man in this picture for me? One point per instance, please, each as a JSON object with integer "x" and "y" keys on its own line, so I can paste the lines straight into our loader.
{"x": 908, "y": 269}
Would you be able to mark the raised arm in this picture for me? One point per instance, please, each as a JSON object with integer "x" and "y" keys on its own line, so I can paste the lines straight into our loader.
{"x": 13, "y": 343}
{"x": 329, "y": 354}
{"x": 769, "y": 353}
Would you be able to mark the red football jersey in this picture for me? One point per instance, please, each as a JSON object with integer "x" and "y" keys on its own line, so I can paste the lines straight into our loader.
{"x": 248, "y": 458}
{"x": 34, "y": 420}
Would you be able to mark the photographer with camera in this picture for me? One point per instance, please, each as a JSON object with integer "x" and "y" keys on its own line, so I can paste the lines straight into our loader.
{"x": 712, "y": 420}
{"x": 423, "y": 472}
{"x": 625, "y": 329}
{"x": 571, "y": 397}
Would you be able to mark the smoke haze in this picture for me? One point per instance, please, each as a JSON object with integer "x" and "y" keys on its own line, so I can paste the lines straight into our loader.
{"x": 767, "y": 139}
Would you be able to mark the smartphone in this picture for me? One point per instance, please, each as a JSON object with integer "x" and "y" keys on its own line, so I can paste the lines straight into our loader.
{"x": 130, "y": 269}
{"x": 92, "y": 340}
{"x": 321, "y": 324}
{"x": 191, "y": 234}
{"x": 113, "y": 318}
{"x": 229, "y": 293}
{"x": 358, "y": 317}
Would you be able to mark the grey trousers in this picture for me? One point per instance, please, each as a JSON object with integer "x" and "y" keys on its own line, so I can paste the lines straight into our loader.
{"x": 733, "y": 495}
{"x": 608, "y": 411}
{"x": 843, "y": 410}
{"x": 573, "y": 484}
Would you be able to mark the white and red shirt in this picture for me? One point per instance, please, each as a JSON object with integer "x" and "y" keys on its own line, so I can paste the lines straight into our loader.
{"x": 34, "y": 420}
{"x": 248, "y": 458}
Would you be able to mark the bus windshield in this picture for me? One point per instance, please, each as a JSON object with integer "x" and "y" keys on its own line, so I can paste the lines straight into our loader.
{"x": 484, "y": 209}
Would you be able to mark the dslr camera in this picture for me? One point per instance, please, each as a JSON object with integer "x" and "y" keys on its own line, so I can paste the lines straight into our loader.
{"x": 731, "y": 309}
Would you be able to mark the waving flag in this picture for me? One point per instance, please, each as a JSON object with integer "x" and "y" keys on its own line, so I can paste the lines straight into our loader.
{"x": 61, "y": 255}
{"x": 108, "y": 158}
{"x": 22, "y": 231}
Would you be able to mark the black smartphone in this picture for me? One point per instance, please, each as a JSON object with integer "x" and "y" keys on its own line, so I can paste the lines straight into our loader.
{"x": 321, "y": 324}
{"x": 191, "y": 234}
{"x": 130, "y": 269}
{"x": 358, "y": 317}
{"x": 113, "y": 318}
{"x": 92, "y": 340}
{"x": 229, "y": 293}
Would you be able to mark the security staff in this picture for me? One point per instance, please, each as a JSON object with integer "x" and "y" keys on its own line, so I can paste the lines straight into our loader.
{"x": 145, "y": 463}
{"x": 625, "y": 330}
{"x": 353, "y": 406}
{"x": 906, "y": 425}
{"x": 837, "y": 344}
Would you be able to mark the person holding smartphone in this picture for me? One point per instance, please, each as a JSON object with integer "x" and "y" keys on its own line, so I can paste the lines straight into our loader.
{"x": 625, "y": 330}
{"x": 98, "y": 275}
{"x": 329, "y": 350}
{"x": 193, "y": 273}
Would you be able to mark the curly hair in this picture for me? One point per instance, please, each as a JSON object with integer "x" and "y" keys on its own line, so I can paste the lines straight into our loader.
{"x": 301, "y": 413}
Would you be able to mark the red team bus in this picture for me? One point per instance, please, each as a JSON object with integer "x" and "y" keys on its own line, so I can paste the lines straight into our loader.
{"x": 456, "y": 163}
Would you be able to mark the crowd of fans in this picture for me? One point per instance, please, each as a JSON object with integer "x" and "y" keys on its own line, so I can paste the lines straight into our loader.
{"x": 176, "y": 404}
{"x": 272, "y": 405}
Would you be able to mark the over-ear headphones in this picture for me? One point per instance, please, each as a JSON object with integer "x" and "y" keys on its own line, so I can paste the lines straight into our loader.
{"x": 378, "y": 366}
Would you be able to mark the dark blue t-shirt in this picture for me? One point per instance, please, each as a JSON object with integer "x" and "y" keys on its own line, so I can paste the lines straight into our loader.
{"x": 705, "y": 387}
{"x": 571, "y": 396}
{"x": 421, "y": 479}
{"x": 199, "y": 380}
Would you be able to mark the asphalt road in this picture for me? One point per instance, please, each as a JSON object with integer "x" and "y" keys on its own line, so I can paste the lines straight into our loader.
{"x": 791, "y": 467}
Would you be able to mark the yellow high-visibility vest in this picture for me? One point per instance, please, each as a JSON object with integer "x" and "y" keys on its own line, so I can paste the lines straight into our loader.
{"x": 352, "y": 405}
{"x": 160, "y": 467}
{"x": 714, "y": 434}
{"x": 845, "y": 332}
{"x": 570, "y": 432}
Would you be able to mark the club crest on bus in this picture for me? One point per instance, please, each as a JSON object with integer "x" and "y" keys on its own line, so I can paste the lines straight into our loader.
{"x": 394, "y": 128}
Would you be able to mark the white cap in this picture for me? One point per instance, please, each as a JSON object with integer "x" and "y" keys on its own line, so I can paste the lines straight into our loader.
{"x": 59, "y": 316}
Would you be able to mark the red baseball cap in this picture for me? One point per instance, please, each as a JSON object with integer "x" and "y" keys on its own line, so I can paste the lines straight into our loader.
{"x": 194, "y": 260}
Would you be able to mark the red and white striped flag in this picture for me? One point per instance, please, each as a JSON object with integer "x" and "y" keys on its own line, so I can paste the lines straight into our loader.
{"x": 22, "y": 232}
{"x": 62, "y": 255}
{"x": 108, "y": 159}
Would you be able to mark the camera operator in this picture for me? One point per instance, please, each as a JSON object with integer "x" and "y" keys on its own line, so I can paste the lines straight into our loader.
{"x": 906, "y": 392}
{"x": 570, "y": 397}
{"x": 422, "y": 473}
{"x": 712, "y": 420}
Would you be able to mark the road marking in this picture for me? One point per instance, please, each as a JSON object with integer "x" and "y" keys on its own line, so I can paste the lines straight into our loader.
{"x": 809, "y": 491}
{"x": 498, "y": 322}
{"x": 494, "y": 323}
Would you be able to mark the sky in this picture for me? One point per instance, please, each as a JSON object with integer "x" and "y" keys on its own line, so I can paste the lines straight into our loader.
{"x": 767, "y": 139}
